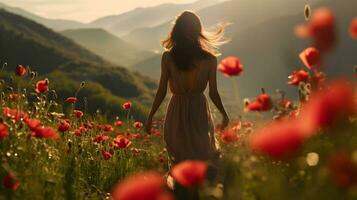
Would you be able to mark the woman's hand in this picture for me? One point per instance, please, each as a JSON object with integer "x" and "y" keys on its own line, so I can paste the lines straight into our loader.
{"x": 225, "y": 122}
{"x": 148, "y": 126}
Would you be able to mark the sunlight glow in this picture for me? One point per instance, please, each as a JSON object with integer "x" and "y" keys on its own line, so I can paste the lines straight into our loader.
{"x": 83, "y": 10}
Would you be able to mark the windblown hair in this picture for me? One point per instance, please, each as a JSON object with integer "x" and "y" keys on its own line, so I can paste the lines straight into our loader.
{"x": 188, "y": 41}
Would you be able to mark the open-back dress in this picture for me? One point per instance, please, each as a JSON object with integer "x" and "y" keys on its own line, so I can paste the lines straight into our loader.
{"x": 188, "y": 129}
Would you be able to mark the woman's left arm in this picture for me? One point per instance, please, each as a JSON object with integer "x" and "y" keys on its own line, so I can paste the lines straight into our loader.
{"x": 161, "y": 91}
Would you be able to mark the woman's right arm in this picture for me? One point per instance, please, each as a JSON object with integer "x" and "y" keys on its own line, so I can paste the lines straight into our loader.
{"x": 214, "y": 95}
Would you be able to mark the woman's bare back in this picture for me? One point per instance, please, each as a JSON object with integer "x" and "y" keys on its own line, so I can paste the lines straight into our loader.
{"x": 193, "y": 81}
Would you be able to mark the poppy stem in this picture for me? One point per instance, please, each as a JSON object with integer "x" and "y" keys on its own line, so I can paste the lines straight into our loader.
{"x": 236, "y": 93}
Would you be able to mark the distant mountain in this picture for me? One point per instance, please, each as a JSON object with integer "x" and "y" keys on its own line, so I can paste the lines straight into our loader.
{"x": 146, "y": 17}
{"x": 23, "y": 41}
{"x": 241, "y": 13}
{"x": 269, "y": 49}
{"x": 55, "y": 24}
{"x": 107, "y": 45}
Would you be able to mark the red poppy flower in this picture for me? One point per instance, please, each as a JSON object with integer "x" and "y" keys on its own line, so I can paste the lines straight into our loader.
{"x": 71, "y": 100}
{"x": 20, "y": 70}
{"x": 135, "y": 135}
{"x": 189, "y": 173}
{"x": 79, "y": 131}
{"x": 142, "y": 186}
{"x": 247, "y": 124}
{"x": 11, "y": 182}
{"x": 64, "y": 126}
{"x": 108, "y": 128}
{"x": 100, "y": 138}
{"x": 120, "y": 142}
{"x": 311, "y": 58}
{"x": 321, "y": 28}
{"x": 127, "y": 105}
{"x": 236, "y": 126}
{"x": 4, "y": 131}
{"x": 229, "y": 135}
{"x": 42, "y": 86}
{"x": 298, "y": 76}
{"x": 88, "y": 125}
{"x": 155, "y": 132}
{"x": 343, "y": 170}
{"x": 78, "y": 113}
{"x": 262, "y": 103}
{"x": 14, "y": 97}
{"x": 231, "y": 66}
{"x": 46, "y": 132}
{"x": 14, "y": 114}
{"x": 118, "y": 123}
{"x": 138, "y": 125}
{"x": 33, "y": 124}
{"x": 353, "y": 28}
{"x": 284, "y": 103}
{"x": 106, "y": 155}
{"x": 279, "y": 139}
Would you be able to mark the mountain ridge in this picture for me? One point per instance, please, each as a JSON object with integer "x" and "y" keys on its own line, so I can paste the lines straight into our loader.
{"x": 29, "y": 43}
{"x": 107, "y": 45}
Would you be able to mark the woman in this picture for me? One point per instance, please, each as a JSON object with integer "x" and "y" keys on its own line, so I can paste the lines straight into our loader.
{"x": 188, "y": 65}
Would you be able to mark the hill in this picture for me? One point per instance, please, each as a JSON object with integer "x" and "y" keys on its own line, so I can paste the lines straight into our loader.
{"x": 107, "y": 45}
{"x": 55, "y": 24}
{"x": 26, "y": 42}
{"x": 242, "y": 14}
{"x": 146, "y": 17}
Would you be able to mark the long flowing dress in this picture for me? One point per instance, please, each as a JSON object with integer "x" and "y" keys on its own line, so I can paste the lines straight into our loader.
{"x": 188, "y": 129}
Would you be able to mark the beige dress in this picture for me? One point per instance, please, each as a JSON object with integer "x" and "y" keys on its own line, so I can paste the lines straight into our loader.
{"x": 188, "y": 130}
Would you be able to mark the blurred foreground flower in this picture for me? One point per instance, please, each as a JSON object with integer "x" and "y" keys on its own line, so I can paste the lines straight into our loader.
{"x": 343, "y": 170}
{"x": 4, "y": 131}
{"x": 231, "y": 66}
{"x": 279, "y": 139}
{"x": 11, "y": 182}
{"x": 321, "y": 27}
{"x": 353, "y": 28}
{"x": 189, "y": 173}
{"x": 142, "y": 186}
{"x": 334, "y": 102}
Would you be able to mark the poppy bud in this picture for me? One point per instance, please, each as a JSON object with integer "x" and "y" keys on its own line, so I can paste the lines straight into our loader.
{"x": 83, "y": 83}
{"x": 307, "y": 12}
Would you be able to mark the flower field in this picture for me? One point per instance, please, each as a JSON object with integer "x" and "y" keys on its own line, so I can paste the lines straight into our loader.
{"x": 308, "y": 150}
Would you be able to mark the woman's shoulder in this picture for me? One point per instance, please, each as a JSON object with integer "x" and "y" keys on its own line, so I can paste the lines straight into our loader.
{"x": 211, "y": 60}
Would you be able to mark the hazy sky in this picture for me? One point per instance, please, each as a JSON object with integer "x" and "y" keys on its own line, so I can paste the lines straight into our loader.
{"x": 83, "y": 10}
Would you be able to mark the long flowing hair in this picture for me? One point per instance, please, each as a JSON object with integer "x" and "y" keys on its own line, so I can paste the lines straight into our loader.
{"x": 188, "y": 41}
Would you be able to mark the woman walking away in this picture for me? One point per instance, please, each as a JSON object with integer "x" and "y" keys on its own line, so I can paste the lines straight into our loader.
{"x": 188, "y": 65}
